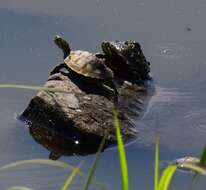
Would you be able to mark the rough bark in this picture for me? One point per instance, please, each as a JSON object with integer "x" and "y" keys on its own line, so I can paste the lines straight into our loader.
{"x": 74, "y": 121}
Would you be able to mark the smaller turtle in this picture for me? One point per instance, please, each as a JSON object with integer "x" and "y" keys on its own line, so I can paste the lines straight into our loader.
{"x": 126, "y": 58}
{"x": 85, "y": 64}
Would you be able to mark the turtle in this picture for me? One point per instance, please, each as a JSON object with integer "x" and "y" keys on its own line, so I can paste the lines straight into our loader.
{"x": 87, "y": 65}
{"x": 126, "y": 59}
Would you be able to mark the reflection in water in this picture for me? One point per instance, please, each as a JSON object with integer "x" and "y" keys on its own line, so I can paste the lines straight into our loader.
{"x": 60, "y": 144}
{"x": 171, "y": 117}
{"x": 165, "y": 96}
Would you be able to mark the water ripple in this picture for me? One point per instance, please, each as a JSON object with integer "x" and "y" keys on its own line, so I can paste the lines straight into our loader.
{"x": 197, "y": 119}
{"x": 170, "y": 50}
{"x": 166, "y": 96}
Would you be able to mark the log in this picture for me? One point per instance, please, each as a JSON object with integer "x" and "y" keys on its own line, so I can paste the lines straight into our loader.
{"x": 73, "y": 119}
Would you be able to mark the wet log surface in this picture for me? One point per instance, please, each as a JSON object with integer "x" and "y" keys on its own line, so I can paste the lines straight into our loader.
{"x": 74, "y": 123}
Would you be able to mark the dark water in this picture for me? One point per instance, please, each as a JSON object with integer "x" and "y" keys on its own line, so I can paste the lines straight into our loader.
{"x": 172, "y": 34}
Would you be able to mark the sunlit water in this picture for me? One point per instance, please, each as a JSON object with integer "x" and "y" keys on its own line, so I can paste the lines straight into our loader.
{"x": 172, "y": 34}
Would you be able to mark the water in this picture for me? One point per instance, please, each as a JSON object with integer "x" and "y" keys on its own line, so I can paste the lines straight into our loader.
{"x": 172, "y": 34}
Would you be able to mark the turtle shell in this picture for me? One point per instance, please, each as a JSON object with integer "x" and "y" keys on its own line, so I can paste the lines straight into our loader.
{"x": 87, "y": 64}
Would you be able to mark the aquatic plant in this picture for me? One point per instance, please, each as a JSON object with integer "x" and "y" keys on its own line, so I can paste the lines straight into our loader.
{"x": 69, "y": 180}
{"x": 75, "y": 170}
{"x": 94, "y": 164}
{"x": 122, "y": 154}
{"x": 168, "y": 173}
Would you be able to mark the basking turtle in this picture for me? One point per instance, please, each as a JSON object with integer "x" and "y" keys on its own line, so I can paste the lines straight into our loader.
{"x": 85, "y": 64}
{"x": 126, "y": 58}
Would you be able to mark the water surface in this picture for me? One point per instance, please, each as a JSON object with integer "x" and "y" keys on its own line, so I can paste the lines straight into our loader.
{"x": 172, "y": 35}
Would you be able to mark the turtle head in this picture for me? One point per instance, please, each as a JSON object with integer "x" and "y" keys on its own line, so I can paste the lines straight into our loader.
{"x": 114, "y": 56}
{"x": 126, "y": 56}
{"x": 63, "y": 45}
{"x": 113, "y": 49}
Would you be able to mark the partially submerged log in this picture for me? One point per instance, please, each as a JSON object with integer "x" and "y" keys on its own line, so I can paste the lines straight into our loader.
{"x": 74, "y": 122}
{"x": 74, "y": 119}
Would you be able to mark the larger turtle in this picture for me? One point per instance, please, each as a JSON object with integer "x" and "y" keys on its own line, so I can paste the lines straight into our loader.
{"x": 126, "y": 58}
{"x": 87, "y": 65}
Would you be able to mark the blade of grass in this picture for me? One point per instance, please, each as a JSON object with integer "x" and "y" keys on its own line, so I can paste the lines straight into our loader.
{"x": 122, "y": 154}
{"x": 197, "y": 169}
{"x": 94, "y": 165}
{"x": 40, "y": 161}
{"x": 19, "y": 188}
{"x": 35, "y": 88}
{"x": 194, "y": 168}
{"x": 71, "y": 177}
{"x": 156, "y": 165}
{"x": 55, "y": 163}
{"x": 203, "y": 157}
{"x": 166, "y": 177}
{"x": 201, "y": 164}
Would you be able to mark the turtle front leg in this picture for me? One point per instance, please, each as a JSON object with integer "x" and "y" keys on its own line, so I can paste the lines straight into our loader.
{"x": 112, "y": 84}
{"x": 111, "y": 87}
{"x": 57, "y": 68}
